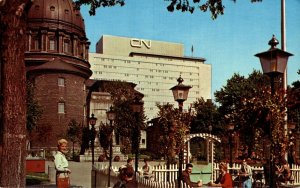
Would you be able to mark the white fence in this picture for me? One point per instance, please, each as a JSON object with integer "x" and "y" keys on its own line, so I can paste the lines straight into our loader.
{"x": 167, "y": 177}
{"x": 259, "y": 169}
{"x": 163, "y": 177}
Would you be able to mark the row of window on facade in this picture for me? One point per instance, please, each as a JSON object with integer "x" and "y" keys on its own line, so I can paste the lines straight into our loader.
{"x": 146, "y": 76}
{"x": 52, "y": 9}
{"x": 151, "y": 64}
{"x": 68, "y": 46}
{"x": 158, "y": 58}
{"x": 61, "y": 105}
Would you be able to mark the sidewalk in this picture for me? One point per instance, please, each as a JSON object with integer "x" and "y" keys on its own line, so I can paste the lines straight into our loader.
{"x": 80, "y": 176}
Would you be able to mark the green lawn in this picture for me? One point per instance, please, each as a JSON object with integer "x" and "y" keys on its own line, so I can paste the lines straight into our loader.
{"x": 36, "y": 178}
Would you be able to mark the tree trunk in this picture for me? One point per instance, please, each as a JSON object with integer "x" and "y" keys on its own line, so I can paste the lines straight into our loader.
{"x": 13, "y": 88}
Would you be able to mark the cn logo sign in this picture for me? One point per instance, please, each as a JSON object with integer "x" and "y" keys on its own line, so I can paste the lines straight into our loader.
{"x": 138, "y": 43}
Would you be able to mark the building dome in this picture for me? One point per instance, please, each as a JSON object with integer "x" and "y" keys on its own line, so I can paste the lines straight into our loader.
{"x": 57, "y": 14}
{"x": 55, "y": 29}
{"x": 56, "y": 60}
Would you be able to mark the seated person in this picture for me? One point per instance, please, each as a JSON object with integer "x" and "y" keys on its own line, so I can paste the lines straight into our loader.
{"x": 147, "y": 173}
{"x": 129, "y": 178}
{"x": 283, "y": 171}
{"x": 226, "y": 179}
{"x": 126, "y": 178}
{"x": 186, "y": 176}
{"x": 245, "y": 174}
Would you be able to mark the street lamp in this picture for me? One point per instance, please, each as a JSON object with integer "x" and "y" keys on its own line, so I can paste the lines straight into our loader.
{"x": 273, "y": 62}
{"x": 92, "y": 121}
{"x": 111, "y": 116}
{"x": 230, "y": 128}
{"x": 180, "y": 94}
{"x": 137, "y": 107}
{"x": 210, "y": 127}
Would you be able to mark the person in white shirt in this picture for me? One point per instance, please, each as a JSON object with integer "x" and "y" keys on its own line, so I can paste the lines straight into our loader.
{"x": 147, "y": 171}
{"x": 245, "y": 175}
{"x": 61, "y": 165}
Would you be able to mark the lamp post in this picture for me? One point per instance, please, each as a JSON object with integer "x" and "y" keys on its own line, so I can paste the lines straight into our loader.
{"x": 230, "y": 128}
{"x": 180, "y": 94}
{"x": 137, "y": 107}
{"x": 211, "y": 149}
{"x": 210, "y": 128}
{"x": 92, "y": 121}
{"x": 273, "y": 62}
{"x": 111, "y": 116}
{"x": 291, "y": 150}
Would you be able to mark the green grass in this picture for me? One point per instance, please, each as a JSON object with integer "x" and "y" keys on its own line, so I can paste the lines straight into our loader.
{"x": 36, "y": 178}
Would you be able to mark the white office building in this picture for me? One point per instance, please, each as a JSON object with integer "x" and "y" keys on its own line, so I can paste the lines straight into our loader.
{"x": 154, "y": 66}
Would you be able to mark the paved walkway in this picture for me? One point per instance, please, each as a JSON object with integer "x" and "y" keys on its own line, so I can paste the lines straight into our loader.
{"x": 81, "y": 173}
{"x": 80, "y": 176}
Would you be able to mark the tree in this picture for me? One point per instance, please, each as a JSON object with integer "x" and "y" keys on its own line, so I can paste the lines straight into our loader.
{"x": 215, "y": 7}
{"x": 174, "y": 125}
{"x": 34, "y": 110}
{"x": 231, "y": 98}
{"x": 13, "y": 89}
{"x": 258, "y": 114}
{"x": 294, "y": 103}
{"x": 85, "y": 139}
{"x": 73, "y": 133}
{"x": 105, "y": 133}
{"x": 123, "y": 96}
{"x": 206, "y": 113}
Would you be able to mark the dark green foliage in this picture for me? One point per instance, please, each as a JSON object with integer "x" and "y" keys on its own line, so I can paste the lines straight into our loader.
{"x": 256, "y": 113}
{"x": 105, "y": 134}
{"x": 85, "y": 139}
{"x": 126, "y": 120}
{"x": 98, "y": 3}
{"x": 237, "y": 88}
{"x": 215, "y": 7}
{"x": 232, "y": 97}
{"x": 34, "y": 110}
{"x": 174, "y": 126}
{"x": 36, "y": 178}
{"x": 294, "y": 103}
{"x": 206, "y": 114}
{"x": 73, "y": 133}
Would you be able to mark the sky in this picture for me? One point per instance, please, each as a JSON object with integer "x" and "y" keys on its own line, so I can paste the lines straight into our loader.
{"x": 228, "y": 43}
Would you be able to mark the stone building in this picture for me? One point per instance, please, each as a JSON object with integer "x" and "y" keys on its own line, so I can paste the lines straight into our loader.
{"x": 98, "y": 103}
{"x": 56, "y": 61}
